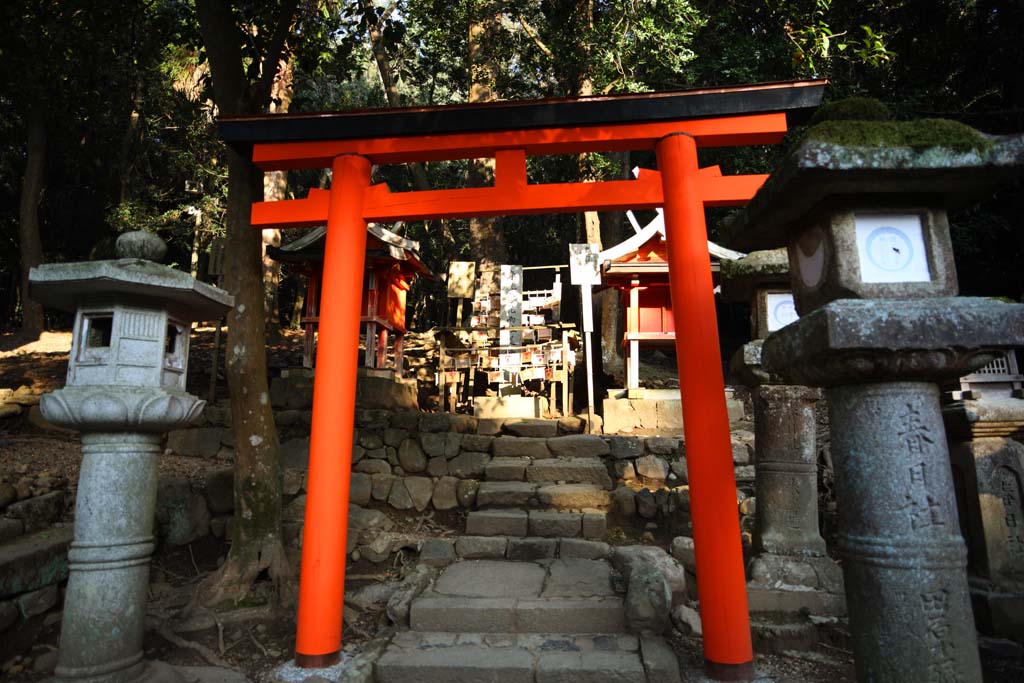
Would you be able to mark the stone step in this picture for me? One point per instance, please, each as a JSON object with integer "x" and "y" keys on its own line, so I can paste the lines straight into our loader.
{"x": 573, "y": 446}
{"x": 526, "y": 658}
{"x": 35, "y": 561}
{"x": 550, "y": 470}
{"x": 543, "y": 523}
{"x": 528, "y": 494}
{"x": 546, "y": 596}
{"x": 570, "y": 471}
{"x": 456, "y": 614}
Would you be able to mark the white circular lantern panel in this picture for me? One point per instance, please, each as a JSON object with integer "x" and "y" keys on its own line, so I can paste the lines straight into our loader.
{"x": 891, "y": 248}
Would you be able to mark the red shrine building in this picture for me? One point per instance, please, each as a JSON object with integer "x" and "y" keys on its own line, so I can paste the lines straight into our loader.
{"x": 392, "y": 263}
{"x": 639, "y": 268}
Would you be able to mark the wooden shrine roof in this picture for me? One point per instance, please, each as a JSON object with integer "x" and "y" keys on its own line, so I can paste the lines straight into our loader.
{"x": 382, "y": 245}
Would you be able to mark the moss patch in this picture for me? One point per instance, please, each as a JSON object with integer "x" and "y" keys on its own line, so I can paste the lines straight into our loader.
{"x": 852, "y": 109}
{"x": 917, "y": 134}
{"x": 760, "y": 263}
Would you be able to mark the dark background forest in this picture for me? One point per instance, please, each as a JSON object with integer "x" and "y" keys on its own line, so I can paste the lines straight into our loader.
{"x": 109, "y": 110}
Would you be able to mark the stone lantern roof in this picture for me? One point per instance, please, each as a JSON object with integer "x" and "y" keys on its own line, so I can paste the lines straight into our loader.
{"x": 66, "y": 286}
{"x": 830, "y": 168}
{"x": 757, "y": 269}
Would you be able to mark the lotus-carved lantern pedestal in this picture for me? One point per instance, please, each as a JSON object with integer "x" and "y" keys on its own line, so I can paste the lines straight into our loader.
{"x": 125, "y": 388}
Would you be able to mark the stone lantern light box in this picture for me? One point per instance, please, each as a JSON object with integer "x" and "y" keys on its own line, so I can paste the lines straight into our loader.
{"x": 131, "y": 319}
{"x": 761, "y": 279}
{"x": 886, "y": 253}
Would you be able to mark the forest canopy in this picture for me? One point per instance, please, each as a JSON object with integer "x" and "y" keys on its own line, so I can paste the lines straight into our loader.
{"x": 110, "y": 107}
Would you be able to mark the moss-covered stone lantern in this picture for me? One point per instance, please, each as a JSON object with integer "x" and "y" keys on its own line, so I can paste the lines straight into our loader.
{"x": 861, "y": 207}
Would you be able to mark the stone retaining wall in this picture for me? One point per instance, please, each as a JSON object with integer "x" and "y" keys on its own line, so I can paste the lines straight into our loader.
{"x": 415, "y": 462}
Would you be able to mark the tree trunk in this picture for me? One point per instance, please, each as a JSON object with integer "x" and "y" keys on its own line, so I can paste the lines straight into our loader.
{"x": 275, "y": 188}
{"x": 256, "y": 543}
{"x": 612, "y": 323}
{"x": 256, "y": 540}
{"x": 28, "y": 225}
{"x": 390, "y": 83}
{"x": 487, "y": 243}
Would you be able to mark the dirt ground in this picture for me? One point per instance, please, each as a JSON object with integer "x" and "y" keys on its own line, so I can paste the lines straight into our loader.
{"x": 255, "y": 637}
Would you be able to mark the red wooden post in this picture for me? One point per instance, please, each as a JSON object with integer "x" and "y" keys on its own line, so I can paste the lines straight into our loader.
{"x": 322, "y": 581}
{"x": 716, "y": 526}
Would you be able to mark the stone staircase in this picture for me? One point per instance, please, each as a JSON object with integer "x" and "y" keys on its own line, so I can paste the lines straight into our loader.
{"x": 531, "y": 622}
{"x": 534, "y": 597}
{"x": 536, "y": 492}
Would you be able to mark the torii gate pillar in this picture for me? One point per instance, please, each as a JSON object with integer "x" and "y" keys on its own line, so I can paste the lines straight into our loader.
{"x": 322, "y": 578}
{"x": 716, "y": 524}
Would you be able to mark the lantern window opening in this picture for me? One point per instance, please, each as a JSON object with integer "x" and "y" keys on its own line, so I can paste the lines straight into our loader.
{"x": 174, "y": 357}
{"x": 95, "y": 337}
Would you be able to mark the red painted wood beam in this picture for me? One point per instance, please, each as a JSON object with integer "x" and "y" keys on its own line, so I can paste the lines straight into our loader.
{"x": 753, "y": 129}
{"x": 510, "y": 195}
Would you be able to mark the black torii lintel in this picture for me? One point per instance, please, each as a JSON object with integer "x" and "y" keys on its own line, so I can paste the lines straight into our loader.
{"x": 797, "y": 99}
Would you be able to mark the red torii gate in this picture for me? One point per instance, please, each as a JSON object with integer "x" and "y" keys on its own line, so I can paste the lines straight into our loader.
{"x": 674, "y": 125}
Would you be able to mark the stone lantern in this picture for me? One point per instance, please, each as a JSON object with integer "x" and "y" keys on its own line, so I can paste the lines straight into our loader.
{"x": 790, "y": 572}
{"x": 874, "y": 282}
{"x": 125, "y": 388}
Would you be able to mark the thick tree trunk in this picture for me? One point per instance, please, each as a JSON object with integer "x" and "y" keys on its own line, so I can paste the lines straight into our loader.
{"x": 487, "y": 243}
{"x": 256, "y": 542}
{"x": 28, "y": 225}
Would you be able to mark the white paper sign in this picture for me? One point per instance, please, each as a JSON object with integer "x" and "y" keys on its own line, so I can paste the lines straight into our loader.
{"x": 583, "y": 266}
{"x": 781, "y": 310}
{"x": 891, "y": 248}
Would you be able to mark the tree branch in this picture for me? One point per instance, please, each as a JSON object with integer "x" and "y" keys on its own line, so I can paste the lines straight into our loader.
{"x": 275, "y": 50}
{"x": 532, "y": 33}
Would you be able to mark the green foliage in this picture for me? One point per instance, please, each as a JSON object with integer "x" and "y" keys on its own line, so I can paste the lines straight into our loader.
{"x": 809, "y": 27}
{"x": 89, "y": 67}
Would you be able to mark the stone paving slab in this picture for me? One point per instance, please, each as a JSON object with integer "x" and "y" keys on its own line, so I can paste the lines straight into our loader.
{"x": 578, "y": 578}
{"x": 491, "y": 579}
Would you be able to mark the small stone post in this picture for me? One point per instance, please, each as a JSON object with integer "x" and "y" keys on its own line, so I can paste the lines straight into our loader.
{"x": 125, "y": 388}
{"x": 790, "y": 571}
{"x": 875, "y": 285}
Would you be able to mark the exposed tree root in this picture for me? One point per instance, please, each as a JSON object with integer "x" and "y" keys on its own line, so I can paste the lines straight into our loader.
{"x": 232, "y": 582}
{"x": 206, "y": 653}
